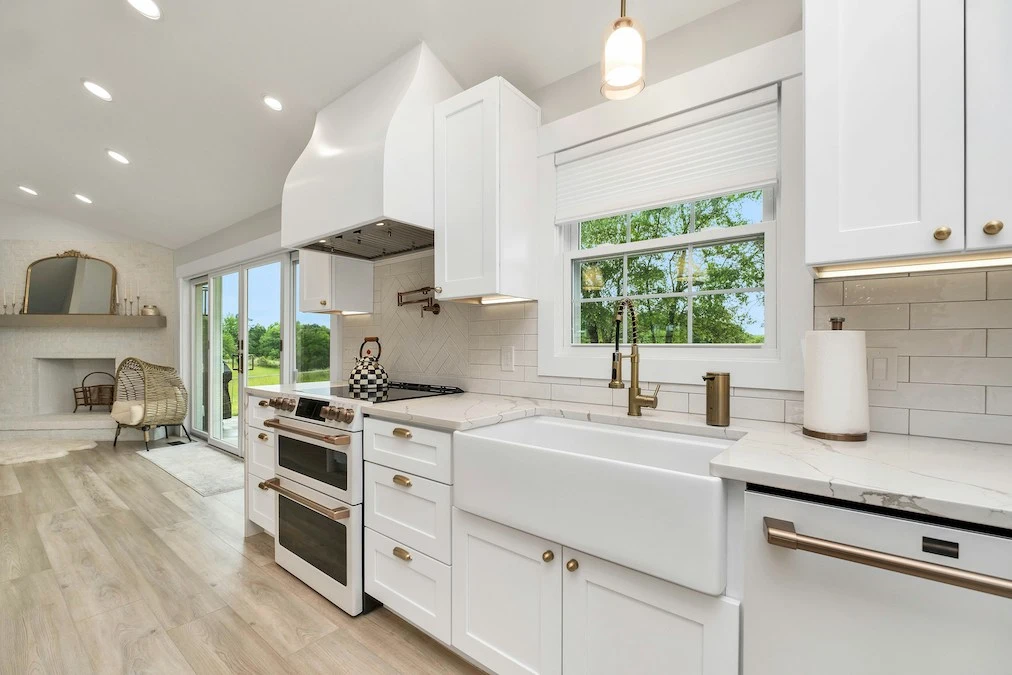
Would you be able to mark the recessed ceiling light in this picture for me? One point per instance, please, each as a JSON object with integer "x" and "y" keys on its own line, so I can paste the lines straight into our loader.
{"x": 82, "y": 198}
{"x": 119, "y": 157}
{"x": 381, "y": 224}
{"x": 147, "y": 7}
{"x": 97, "y": 90}
{"x": 25, "y": 188}
{"x": 272, "y": 103}
{"x": 323, "y": 241}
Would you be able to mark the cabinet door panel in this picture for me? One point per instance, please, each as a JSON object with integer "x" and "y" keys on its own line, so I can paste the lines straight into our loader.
{"x": 988, "y": 130}
{"x": 883, "y": 128}
{"x": 507, "y": 599}
{"x": 617, "y": 620}
{"x": 467, "y": 192}
{"x": 315, "y": 287}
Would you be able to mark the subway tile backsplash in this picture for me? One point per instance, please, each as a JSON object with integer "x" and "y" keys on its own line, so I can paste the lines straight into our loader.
{"x": 952, "y": 333}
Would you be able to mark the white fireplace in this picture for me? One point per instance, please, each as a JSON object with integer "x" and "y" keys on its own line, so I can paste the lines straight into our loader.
{"x": 56, "y": 378}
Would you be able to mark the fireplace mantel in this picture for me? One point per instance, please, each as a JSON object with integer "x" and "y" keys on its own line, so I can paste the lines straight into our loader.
{"x": 80, "y": 321}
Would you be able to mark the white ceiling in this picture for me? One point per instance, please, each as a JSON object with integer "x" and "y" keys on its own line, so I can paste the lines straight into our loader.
{"x": 186, "y": 89}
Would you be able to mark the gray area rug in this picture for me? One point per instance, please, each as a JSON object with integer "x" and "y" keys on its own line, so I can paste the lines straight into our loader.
{"x": 205, "y": 469}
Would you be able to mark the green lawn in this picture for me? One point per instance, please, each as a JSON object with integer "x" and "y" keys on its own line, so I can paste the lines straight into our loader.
{"x": 263, "y": 375}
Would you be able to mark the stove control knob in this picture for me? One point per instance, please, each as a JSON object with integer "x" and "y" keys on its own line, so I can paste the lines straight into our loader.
{"x": 290, "y": 404}
{"x": 346, "y": 415}
{"x": 275, "y": 402}
{"x": 326, "y": 412}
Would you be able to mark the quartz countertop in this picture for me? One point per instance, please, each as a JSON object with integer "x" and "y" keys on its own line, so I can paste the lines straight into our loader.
{"x": 951, "y": 479}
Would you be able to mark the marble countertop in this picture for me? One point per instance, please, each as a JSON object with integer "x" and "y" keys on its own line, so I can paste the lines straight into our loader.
{"x": 952, "y": 479}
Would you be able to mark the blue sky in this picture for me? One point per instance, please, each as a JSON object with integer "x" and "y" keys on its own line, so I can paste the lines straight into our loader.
{"x": 264, "y": 288}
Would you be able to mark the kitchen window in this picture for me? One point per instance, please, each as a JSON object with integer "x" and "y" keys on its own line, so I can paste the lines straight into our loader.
{"x": 697, "y": 218}
{"x": 696, "y": 272}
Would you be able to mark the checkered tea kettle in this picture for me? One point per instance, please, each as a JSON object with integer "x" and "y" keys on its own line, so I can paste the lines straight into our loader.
{"x": 368, "y": 374}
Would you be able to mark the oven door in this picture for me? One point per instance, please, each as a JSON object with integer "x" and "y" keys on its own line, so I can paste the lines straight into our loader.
{"x": 327, "y": 460}
{"x": 320, "y": 541}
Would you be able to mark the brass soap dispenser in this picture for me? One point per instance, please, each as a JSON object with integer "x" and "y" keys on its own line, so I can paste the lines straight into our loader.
{"x": 718, "y": 399}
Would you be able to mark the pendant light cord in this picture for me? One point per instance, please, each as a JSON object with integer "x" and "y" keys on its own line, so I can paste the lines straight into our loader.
{"x": 622, "y": 11}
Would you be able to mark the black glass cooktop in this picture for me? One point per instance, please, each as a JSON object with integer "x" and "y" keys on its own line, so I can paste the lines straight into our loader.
{"x": 397, "y": 391}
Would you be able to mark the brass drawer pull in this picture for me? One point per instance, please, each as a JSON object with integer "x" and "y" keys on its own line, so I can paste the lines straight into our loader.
{"x": 402, "y": 554}
{"x": 573, "y": 565}
{"x": 263, "y": 437}
{"x": 993, "y": 227}
{"x": 781, "y": 533}
{"x": 403, "y": 481}
{"x": 340, "y": 513}
{"x": 323, "y": 302}
{"x": 942, "y": 233}
{"x": 548, "y": 556}
{"x": 263, "y": 404}
{"x": 401, "y": 432}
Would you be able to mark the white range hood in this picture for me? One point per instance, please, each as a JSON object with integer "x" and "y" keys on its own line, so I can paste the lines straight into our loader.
{"x": 369, "y": 161}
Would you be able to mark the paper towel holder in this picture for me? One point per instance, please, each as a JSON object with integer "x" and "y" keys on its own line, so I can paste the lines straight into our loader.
{"x": 835, "y": 323}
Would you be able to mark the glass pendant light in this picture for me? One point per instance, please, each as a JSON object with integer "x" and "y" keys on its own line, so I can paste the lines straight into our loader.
{"x": 622, "y": 58}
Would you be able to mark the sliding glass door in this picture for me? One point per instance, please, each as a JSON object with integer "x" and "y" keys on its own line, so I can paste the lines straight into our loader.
{"x": 200, "y": 341}
{"x": 263, "y": 341}
{"x": 225, "y": 361}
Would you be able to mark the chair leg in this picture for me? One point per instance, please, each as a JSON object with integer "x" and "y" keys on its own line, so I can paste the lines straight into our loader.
{"x": 183, "y": 427}
{"x": 119, "y": 427}
{"x": 146, "y": 437}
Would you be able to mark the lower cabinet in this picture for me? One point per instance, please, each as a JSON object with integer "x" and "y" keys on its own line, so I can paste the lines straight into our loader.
{"x": 261, "y": 505}
{"x": 522, "y": 604}
{"x": 507, "y": 597}
{"x": 616, "y": 620}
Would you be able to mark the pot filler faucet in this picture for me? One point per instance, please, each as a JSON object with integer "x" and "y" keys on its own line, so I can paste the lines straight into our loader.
{"x": 637, "y": 400}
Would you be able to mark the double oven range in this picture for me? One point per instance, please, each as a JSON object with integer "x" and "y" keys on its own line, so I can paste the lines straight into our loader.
{"x": 318, "y": 475}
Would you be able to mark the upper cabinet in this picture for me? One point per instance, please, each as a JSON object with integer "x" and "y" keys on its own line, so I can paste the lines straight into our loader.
{"x": 485, "y": 192}
{"x": 988, "y": 126}
{"x": 884, "y": 127}
{"x": 330, "y": 283}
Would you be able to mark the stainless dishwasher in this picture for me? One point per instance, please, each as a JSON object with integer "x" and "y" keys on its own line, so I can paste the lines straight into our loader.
{"x": 831, "y": 589}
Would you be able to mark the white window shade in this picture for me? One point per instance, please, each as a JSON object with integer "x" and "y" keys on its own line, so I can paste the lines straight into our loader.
{"x": 705, "y": 151}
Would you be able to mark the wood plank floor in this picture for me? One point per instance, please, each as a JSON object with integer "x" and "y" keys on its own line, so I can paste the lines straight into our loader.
{"x": 110, "y": 565}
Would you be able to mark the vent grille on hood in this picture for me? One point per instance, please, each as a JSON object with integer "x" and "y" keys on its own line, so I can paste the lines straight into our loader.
{"x": 377, "y": 240}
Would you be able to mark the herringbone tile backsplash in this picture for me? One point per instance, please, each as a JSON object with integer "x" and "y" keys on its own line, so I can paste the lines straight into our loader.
{"x": 950, "y": 334}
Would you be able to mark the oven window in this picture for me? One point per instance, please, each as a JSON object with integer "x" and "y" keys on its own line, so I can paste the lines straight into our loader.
{"x": 320, "y": 541}
{"x": 314, "y": 461}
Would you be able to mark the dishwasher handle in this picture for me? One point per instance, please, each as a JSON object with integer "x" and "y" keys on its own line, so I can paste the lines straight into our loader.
{"x": 782, "y": 533}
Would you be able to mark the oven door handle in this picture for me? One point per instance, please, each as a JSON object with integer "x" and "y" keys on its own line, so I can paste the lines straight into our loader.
{"x": 340, "y": 513}
{"x": 275, "y": 423}
{"x": 782, "y": 533}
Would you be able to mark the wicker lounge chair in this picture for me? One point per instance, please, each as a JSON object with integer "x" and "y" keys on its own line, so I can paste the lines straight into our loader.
{"x": 148, "y": 396}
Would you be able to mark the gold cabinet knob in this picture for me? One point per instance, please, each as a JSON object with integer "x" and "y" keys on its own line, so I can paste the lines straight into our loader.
{"x": 572, "y": 565}
{"x": 401, "y": 432}
{"x": 323, "y": 302}
{"x": 402, "y": 554}
{"x": 942, "y": 233}
{"x": 403, "y": 481}
{"x": 993, "y": 226}
{"x": 263, "y": 404}
{"x": 548, "y": 556}
{"x": 262, "y": 437}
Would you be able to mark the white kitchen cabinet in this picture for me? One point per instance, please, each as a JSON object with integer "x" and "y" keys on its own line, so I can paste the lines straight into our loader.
{"x": 810, "y": 613}
{"x": 261, "y": 505}
{"x": 507, "y": 597}
{"x": 884, "y": 126}
{"x": 330, "y": 283}
{"x": 988, "y": 131}
{"x": 616, "y": 620}
{"x": 485, "y": 192}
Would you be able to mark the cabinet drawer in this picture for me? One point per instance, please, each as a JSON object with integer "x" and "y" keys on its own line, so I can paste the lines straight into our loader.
{"x": 260, "y": 452}
{"x": 423, "y": 452}
{"x": 261, "y": 506}
{"x": 257, "y": 411}
{"x": 410, "y": 509}
{"x": 417, "y": 588}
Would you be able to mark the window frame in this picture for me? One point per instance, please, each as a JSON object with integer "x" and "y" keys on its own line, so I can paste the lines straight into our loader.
{"x": 766, "y": 229}
{"x": 789, "y": 284}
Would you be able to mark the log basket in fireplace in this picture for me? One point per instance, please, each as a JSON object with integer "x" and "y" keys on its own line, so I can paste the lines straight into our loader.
{"x": 94, "y": 394}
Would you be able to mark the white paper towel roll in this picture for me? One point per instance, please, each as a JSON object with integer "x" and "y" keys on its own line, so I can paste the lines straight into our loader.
{"x": 836, "y": 382}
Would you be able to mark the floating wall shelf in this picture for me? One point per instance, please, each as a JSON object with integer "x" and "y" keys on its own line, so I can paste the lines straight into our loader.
{"x": 80, "y": 321}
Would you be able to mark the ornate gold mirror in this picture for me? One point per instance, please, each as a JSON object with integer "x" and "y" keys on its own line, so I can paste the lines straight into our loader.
{"x": 70, "y": 283}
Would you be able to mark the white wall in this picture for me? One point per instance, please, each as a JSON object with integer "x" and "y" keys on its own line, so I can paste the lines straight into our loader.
{"x": 22, "y": 221}
{"x": 727, "y": 31}
{"x": 263, "y": 225}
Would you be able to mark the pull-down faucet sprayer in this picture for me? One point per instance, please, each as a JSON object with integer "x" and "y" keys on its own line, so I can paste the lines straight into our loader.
{"x": 637, "y": 400}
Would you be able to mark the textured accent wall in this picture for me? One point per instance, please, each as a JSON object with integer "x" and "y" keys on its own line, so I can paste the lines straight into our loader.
{"x": 952, "y": 336}
{"x": 141, "y": 265}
